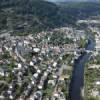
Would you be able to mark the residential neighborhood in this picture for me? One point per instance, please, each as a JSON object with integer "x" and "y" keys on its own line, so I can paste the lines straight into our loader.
{"x": 35, "y": 68}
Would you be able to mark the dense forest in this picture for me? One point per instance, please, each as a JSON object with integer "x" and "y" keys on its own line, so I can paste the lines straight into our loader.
{"x": 28, "y": 15}
{"x": 37, "y": 15}
{"x": 80, "y": 10}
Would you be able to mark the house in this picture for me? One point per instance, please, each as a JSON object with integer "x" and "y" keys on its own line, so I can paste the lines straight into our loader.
{"x": 2, "y": 97}
{"x": 35, "y": 75}
{"x": 52, "y": 82}
{"x": 38, "y": 71}
{"x": 31, "y": 63}
{"x": 36, "y": 50}
{"x": 97, "y": 82}
{"x": 95, "y": 93}
{"x": 94, "y": 66}
{"x": 97, "y": 39}
{"x": 19, "y": 65}
{"x": 11, "y": 97}
{"x": 54, "y": 64}
{"x": 38, "y": 95}
{"x": 40, "y": 87}
{"x": 33, "y": 82}
{"x": 70, "y": 47}
{"x": 2, "y": 73}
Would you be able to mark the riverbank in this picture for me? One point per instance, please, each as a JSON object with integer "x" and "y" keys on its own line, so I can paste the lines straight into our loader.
{"x": 92, "y": 79}
{"x": 76, "y": 91}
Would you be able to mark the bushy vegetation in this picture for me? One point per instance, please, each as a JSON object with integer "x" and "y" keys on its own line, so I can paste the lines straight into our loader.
{"x": 95, "y": 60}
{"x": 91, "y": 76}
{"x": 59, "y": 38}
{"x": 82, "y": 43}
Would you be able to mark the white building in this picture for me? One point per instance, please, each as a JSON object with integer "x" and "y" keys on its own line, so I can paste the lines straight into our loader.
{"x": 97, "y": 40}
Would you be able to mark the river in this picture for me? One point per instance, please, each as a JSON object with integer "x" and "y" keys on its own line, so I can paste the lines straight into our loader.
{"x": 76, "y": 90}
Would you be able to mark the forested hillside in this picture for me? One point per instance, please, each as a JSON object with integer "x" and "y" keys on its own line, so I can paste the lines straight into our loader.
{"x": 31, "y": 16}
{"x": 80, "y": 10}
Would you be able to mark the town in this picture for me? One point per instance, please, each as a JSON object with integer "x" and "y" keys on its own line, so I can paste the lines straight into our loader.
{"x": 49, "y": 49}
{"x": 39, "y": 67}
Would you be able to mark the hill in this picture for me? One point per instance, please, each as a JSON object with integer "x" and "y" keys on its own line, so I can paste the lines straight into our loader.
{"x": 29, "y": 15}
{"x": 80, "y": 10}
